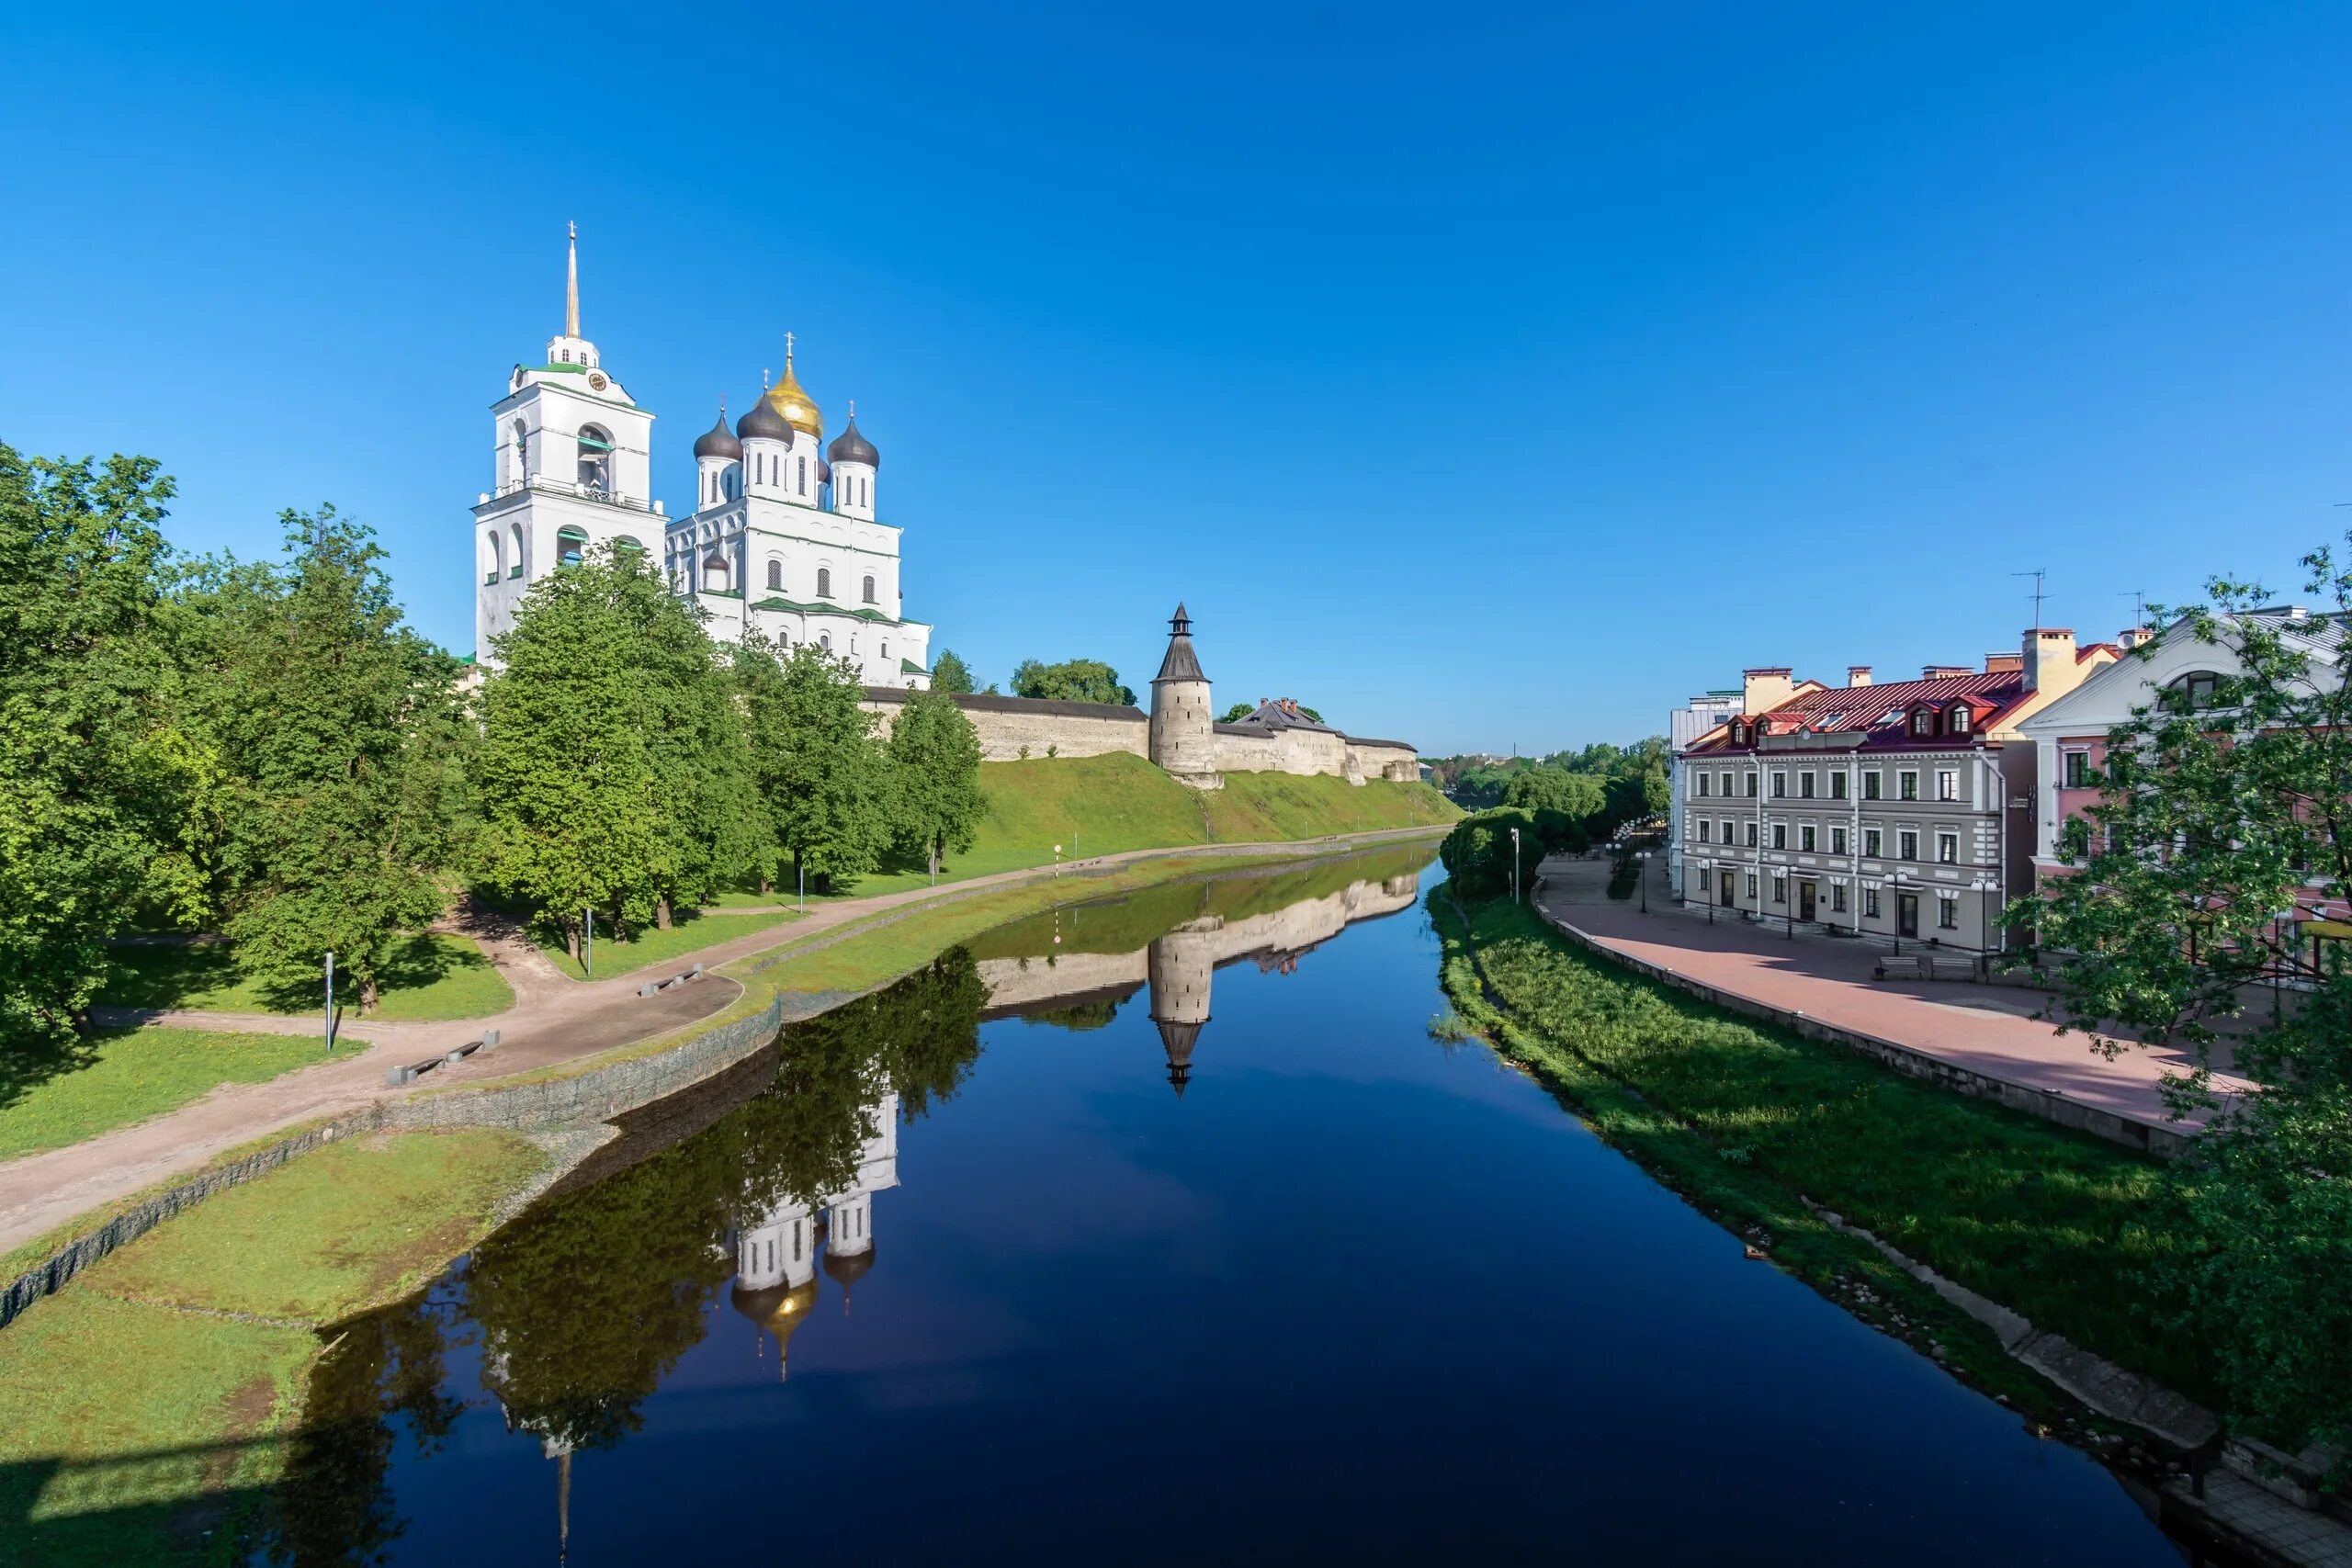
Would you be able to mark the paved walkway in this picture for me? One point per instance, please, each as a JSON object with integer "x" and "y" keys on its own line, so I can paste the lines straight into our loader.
{"x": 554, "y": 1019}
{"x": 1987, "y": 1029}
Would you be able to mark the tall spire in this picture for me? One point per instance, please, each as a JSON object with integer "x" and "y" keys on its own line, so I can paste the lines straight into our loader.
{"x": 571, "y": 280}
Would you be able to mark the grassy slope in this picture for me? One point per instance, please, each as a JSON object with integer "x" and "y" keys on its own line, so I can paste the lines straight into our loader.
{"x": 436, "y": 976}
{"x": 1099, "y": 805}
{"x": 1743, "y": 1119}
{"x": 127, "y": 1420}
{"x": 114, "y": 1080}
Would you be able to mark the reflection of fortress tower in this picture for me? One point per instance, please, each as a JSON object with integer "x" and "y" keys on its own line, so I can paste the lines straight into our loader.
{"x": 1182, "y": 738}
{"x": 1181, "y": 963}
{"x": 776, "y": 1261}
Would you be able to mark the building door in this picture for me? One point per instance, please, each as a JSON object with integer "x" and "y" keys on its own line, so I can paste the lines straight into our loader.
{"x": 1906, "y": 914}
{"x": 1723, "y": 891}
{"x": 1804, "y": 900}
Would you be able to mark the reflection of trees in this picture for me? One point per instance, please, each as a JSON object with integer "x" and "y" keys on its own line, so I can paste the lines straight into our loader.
{"x": 587, "y": 1302}
{"x": 1078, "y": 1016}
{"x": 331, "y": 1505}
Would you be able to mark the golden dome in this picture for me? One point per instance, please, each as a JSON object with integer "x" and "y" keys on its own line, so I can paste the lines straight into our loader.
{"x": 793, "y": 404}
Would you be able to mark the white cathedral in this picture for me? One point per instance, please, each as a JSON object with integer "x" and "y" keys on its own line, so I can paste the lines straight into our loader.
{"x": 782, "y": 538}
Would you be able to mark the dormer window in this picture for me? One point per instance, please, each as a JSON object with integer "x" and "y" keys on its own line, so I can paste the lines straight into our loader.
{"x": 1959, "y": 720}
{"x": 1923, "y": 721}
{"x": 1738, "y": 733}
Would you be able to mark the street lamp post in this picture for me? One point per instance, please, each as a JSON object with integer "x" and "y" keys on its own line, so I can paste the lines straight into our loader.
{"x": 1514, "y": 865}
{"x": 327, "y": 1023}
{"x": 1641, "y": 865}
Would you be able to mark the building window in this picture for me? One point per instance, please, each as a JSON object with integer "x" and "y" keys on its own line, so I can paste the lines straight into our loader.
{"x": 2199, "y": 689}
{"x": 1948, "y": 911}
{"x": 1838, "y": 897}
{"x": 1947, "y": 847}
{"x": 1729, "y": 831}
{"x": 2078, "y": 770}
{"x": 1780, "y": 786}
{"x": 1804, "y": 784}
{"x": 1907, "y": 845}
{"x": 1870, "y": 784}
{"x": 1923, "y": 722}
{"x": 1726, "y": 785}
{"x": 1703, "y": 786}
{"x": 1836, "y": 786}
{"x": 1751, "y": 837}
{"x": 1780, "y": 835}
{"x": 825, "y": 642}
{"x": 1907, "y": 784}
{"x": 1872, "y": 844}
{"x": 1779, "y": 887}
{"x": 869, "y": 590}
{"x": 825, "y": 585}
{"x": 571, "y": 545}
{"x": 1751, "y": 887}
{"x": 1704, "y": 828}
{"x": 775, "y": 576}
{"x": 1960, "y": 721}
{"x": 1804, "y": 838}
{"x": 595, "y": 459}
{"x": 1751, "y": 786}
{"x": 1869, "y": 903}
{"x": 804, "y": 475}
{"x": 1837, "y": 840}
{"x": 1947, "y": 784}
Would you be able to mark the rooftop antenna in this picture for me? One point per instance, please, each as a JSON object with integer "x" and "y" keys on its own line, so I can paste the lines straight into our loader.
{"x": 2139, "y": 597}
{"x": 2038, "y": 573}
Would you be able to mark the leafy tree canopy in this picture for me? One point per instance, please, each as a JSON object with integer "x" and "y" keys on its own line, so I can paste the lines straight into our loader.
{"x": 949, "y": 673}
{"x": 936, "y": 755}
{"x": 1071, "y": 680}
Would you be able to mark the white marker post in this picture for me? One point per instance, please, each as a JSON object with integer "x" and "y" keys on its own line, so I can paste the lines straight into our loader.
{"x": 327, "y": 1023}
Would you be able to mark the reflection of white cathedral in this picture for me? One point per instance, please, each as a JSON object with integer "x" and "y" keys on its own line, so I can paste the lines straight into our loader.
{"x": 783, "y": 538}
{"x": 776, "y": 1260}
{"x": 1180, "y": 964}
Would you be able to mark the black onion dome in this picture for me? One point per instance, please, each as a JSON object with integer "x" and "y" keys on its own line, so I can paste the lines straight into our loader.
{"x": 851, "y": 447}
{"x": 824, "y": 472}
{"x": 718, "y": 442}
{"x": 764, "y": 423}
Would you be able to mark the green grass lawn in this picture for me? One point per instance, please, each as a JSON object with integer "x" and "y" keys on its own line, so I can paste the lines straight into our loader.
{"x": 649, "y": 947}
{"x": 435, "y": 976}
{"x": 114, "y": 1078}
{"x": 132, "y": 1427}
{"x": 1743, "y": 1118}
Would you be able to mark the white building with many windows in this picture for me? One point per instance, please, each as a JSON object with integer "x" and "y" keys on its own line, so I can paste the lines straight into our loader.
{"x": 783, "y": 539}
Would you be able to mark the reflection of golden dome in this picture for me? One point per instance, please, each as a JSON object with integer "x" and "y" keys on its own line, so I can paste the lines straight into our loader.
{"x": 778, "y": 1309}
{"x": 792, "y": 402}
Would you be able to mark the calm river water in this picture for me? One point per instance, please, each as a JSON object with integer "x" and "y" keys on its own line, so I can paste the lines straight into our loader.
{"x": 1155, "y": 1231}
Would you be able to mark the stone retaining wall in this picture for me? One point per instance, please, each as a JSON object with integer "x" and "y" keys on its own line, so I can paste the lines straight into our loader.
{"x": 1012, "y": 728}
{"x": 2164, "y": 1143}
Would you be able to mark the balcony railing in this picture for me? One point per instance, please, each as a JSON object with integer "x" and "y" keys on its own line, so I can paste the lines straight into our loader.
{"x": 578, "y": 491}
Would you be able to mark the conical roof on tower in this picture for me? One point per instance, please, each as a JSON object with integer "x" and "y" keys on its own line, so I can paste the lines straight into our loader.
{"x": 1181, "y": 663}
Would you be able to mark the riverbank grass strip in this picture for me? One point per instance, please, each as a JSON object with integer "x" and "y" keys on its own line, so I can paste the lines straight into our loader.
{"x": 113, "y": 1080}
{"x": 1747, "y": 1122}
{"x": 144, "y": 1400}
{"x": 435, "y": 978}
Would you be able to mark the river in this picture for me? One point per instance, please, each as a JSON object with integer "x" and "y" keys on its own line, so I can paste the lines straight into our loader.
{"x": 1158, "y": 1230}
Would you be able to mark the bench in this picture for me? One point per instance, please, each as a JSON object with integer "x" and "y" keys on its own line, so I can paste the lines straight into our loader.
{"x": 653, "y": 988}
{"x": 1922, "y": 966}
{"x": 410, "y": 1072}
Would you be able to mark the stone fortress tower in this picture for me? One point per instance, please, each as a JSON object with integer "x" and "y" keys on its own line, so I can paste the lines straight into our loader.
{"x": 1183, "y": 735}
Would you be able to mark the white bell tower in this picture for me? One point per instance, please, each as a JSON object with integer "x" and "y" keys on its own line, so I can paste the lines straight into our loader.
{"x": 572, "y": 467}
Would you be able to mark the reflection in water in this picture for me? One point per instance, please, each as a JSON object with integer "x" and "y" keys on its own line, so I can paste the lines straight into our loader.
{"x": 1098, "y": 1299}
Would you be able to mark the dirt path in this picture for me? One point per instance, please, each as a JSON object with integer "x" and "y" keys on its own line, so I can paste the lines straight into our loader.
{"x": 554, "y": 1019}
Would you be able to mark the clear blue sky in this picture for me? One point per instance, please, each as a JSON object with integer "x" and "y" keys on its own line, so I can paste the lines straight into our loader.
{"x": 1482, "y": 376}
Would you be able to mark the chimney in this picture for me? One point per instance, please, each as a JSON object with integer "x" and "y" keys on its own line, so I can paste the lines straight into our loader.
{"x": 2131, "y": 637}
{"x": 2005, "y": 663}
{"x": 1858, "y": 674}
{"x": 2049, "y": 667}
{"x": 1943, "y": 672}
{"x": 1761, "y": 691}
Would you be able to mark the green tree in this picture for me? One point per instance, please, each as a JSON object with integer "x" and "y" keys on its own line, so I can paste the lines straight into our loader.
{"x": 1478, "y": 854}
{"x": 95, "y": 776}
{"x": 1071, "y": 680}
{"x": 937, "y": 754}
{"x": 340, "y": 732}
{"x": 817, "y": 768}
{"x": 950, "y": 675}
{"x": 1237, "y": 713}
{"x": 1580, "y": 795}
{"x": 2220, "y": 827}
{"x": 566, "y": 778}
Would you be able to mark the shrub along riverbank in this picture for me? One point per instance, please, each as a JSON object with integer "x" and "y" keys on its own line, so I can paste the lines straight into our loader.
{"x": 1745, "y": 1121}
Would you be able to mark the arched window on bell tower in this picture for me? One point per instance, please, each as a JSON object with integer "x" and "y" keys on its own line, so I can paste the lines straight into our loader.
{"x": 595, "y": 459}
